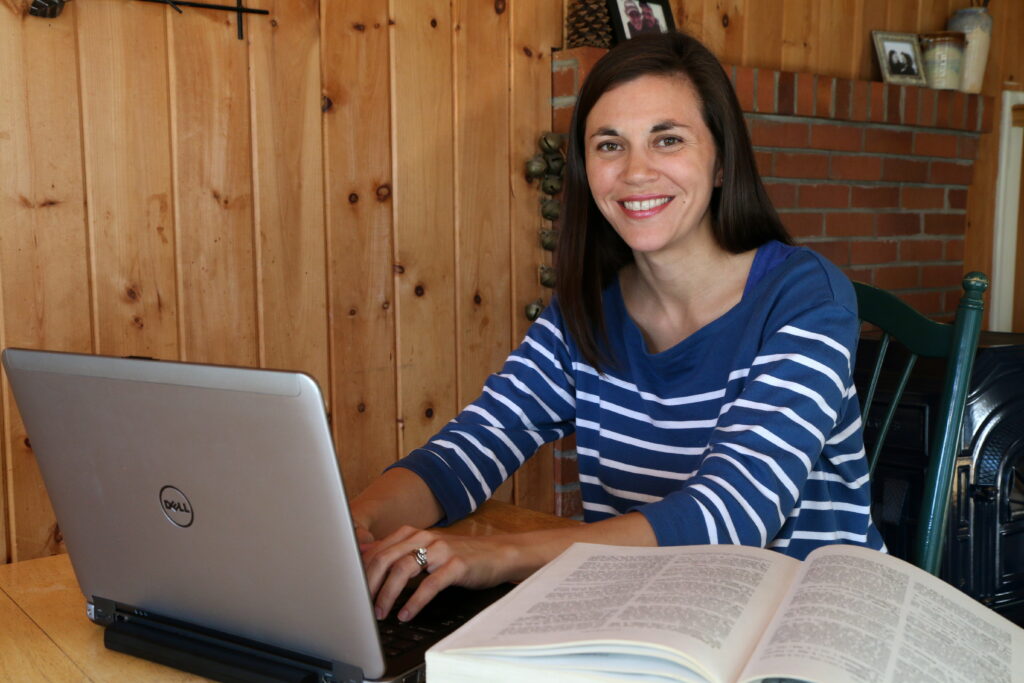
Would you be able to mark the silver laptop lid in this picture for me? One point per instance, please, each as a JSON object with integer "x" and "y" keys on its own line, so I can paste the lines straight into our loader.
{"x": 203, "y": 493}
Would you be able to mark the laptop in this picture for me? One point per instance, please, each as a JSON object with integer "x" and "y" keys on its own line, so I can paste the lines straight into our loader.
{"x": 206, "y": 519}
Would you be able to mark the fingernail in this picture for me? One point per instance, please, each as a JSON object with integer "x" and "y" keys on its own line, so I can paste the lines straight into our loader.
{"x": 403, "y": 615}
{"x": 378, "y": 612}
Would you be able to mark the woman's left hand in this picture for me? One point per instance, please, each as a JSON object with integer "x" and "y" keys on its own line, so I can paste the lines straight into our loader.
{"x": 468, "y": 561}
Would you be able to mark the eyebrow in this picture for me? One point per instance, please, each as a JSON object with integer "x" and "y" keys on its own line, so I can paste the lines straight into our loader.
{"x": 660, "y": 127}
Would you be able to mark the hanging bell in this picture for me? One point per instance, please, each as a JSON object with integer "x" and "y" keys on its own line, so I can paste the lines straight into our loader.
{"x": 551, "y": 184}
{"x": 550, "y": 209}
{"x": 534, "y": 309}
{"x": 555, "y": 163}
{"x": 547, "y": 276}
{"x": 550, "y": 142}
{"x": 536, "y": 167}
{"x": 548, "y": 239}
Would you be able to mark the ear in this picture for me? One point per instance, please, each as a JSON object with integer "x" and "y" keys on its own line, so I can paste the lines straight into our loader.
{"x": 719, "y": 177}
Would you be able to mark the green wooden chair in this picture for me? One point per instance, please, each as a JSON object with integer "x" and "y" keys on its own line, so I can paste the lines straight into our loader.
{"x": 957, "y": 343}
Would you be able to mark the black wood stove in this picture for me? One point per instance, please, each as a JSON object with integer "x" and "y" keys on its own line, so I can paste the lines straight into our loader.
{"x": 984, "y": 552}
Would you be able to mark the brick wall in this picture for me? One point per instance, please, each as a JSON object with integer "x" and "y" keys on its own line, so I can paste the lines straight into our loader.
{"x": 872, "y": 176}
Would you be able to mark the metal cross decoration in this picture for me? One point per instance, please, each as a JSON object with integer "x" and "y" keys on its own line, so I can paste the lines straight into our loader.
{"x": 239, "y": 8}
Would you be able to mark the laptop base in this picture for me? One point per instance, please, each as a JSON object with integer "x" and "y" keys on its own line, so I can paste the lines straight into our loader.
{"x": 216, "y": 656}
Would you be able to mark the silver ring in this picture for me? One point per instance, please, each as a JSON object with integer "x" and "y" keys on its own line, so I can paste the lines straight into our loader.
{"x": 420, "y": 555}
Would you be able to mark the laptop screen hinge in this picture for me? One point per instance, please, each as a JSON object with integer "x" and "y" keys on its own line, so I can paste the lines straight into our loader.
{"x": 202, "y": 652}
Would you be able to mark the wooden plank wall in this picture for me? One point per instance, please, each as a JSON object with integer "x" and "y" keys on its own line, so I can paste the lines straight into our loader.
{"x": 339, "y": 193}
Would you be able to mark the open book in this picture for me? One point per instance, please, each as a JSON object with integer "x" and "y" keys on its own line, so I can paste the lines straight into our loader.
{"x": 731, "y": 614}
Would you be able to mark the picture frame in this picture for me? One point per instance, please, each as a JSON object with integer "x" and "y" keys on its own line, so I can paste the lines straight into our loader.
{"x": 899, "y": 56}
{"x": 632, "y": 17}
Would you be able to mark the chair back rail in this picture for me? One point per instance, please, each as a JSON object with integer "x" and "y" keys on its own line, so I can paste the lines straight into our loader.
{"x": 956, "y": 342}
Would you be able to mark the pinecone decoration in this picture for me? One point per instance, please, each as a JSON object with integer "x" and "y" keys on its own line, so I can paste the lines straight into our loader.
{"x": 588, "y": 25}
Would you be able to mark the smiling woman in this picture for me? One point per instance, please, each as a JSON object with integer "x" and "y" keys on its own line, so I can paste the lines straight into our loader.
{"x": 703, "y": 362}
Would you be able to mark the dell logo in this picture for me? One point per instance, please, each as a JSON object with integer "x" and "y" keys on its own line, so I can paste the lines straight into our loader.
{"x": 175, "y": 506}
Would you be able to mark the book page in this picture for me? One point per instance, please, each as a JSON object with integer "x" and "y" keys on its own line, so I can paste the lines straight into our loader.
{"x": 709, "y": 604}
{"x": 860, "y": 616}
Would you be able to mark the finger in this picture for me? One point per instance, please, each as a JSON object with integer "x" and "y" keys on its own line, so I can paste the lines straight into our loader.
{"x": 397, "y": 578}
{"x": 363, "y": 536}
{"x": 379, "y": 560}
{"x": 447, "y": 574}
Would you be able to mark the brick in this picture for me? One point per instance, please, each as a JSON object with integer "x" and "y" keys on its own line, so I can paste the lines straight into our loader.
{"x": 824, "y": 196}
{"x": 888, "y": 141}
{"x": 765, "y": 133}
{"x": 958, "y": 118}
{"x": 805, "y": 95}
{"x": 954, "y": 249}
{"x": 823, "y": 96}
{"x": 565, "y": 445}
{"x": 942, "y": 276}
{"x": 786, "y": 92}
{"x": 987, "y": 114}
{"x": 905, "y": 170}
{"x": 586, "y": 58}
{"x": 951, "y": 173}
{"x": 926, "y": 303}
{"x": 860, "y": 274}
{"x": 913, "y": 197}
{"x": 936, "y": 145}
{"x": 563, "y": 81}
{"x": 795, "y": 165}
{"x": 873, "y": 252}
{"x": 877, "y": 102}
{"x": 860, "y": 102}
{"x": 848, "y": 167}
{"x": 744, "y": 85}
{"x": 838, "y": 252}
{"x": 874, "y": 197}
{"x": 850, "y": 224}
{"x": 921, "y": 250}
{"x": 945, "y": 223}
{"x": 910, "y": 100}
{"x": 844, "y": 97}
{"x": 944, "y": 112}
{"x": 566, "y": 469}
{"x": 802, "y": 224}
{"x": 898, "y": 224}
{"x": 765, "y": 162}
{"x": 973, "y": 121}
{"x": 926, "y": 107}
{"x": 783, "y": 195}
{"x": 765, "y": 91}
{"x": 840, "y": 138}
{"x": 892, "y": 98}
{"x": 569, "y": 504}
{"x": 968, "y": 147}
{"x": 956, "y": 199}
{"x": 561, "y": 119}
{"x": 897, "y": 277}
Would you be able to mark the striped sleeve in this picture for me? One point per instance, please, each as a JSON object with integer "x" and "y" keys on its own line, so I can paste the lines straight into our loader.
{"x": 770, "y": 439}
{"x": 528, "y": 403}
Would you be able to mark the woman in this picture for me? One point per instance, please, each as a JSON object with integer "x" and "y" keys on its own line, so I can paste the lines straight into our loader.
{"x": 703, "y": 362}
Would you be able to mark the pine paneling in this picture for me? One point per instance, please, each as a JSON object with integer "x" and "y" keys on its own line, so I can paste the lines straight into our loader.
{"x": 44, "y": 248}
{"x": 358, "y": 199}
{"x": 289, "y": 189}
{"x": 127, "y": 156}
{"x": 422, "y": 137}
{"x": 212, "y": 147}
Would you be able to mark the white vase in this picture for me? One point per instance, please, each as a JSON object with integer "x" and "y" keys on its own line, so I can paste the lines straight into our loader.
{"x": 976, "y": 24}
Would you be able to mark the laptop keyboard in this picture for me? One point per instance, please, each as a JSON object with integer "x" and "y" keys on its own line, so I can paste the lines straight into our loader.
{"x": 398, "y": 638}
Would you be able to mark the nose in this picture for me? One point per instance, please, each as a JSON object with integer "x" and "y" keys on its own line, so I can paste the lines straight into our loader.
{"x": 638, "y": 168}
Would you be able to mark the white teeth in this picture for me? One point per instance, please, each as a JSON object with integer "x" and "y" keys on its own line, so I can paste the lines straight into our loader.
{"x": 645, "y": 204}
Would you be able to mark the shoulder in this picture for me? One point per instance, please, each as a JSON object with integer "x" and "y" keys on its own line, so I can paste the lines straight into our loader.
{"x": 805, "y": 279}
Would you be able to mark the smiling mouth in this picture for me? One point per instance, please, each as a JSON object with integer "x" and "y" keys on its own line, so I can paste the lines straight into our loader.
{"x": 646, "y": 204}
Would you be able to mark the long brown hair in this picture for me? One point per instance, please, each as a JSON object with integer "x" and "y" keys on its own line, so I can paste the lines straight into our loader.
{"x": 590, "y": 253}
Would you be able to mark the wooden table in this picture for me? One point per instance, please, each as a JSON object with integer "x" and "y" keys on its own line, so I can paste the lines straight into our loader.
{"x": 45, "y": 635}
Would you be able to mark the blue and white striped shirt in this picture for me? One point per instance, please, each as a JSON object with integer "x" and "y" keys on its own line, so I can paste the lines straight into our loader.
{"x": 746, "y": 432}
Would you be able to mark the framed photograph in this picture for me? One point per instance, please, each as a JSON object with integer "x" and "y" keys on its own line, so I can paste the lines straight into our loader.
{"x": 633, "y": 17}
{"x": 899, "y": 55}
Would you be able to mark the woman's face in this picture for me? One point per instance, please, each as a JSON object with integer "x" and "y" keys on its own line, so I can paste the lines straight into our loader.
{"x": 651, "y": 163}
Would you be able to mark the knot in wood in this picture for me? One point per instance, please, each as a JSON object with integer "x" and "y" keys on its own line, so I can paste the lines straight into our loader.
{"x": 383, "y": 193}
